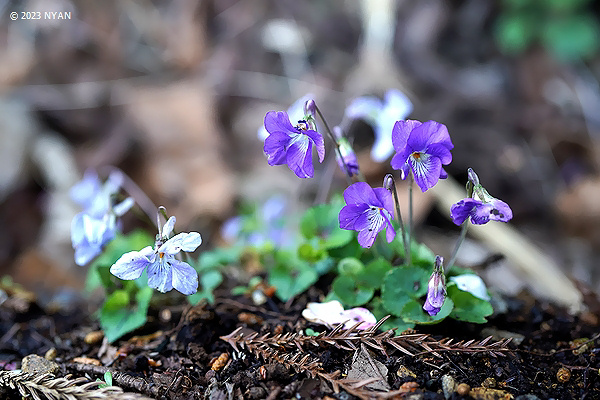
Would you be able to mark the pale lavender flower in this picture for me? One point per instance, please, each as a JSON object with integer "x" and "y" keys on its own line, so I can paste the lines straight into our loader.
{"x": 436, "y": 289}
{"x": 368, "y": 211}
{"x": 381, "y": 115}
{"x": 97, "y": 225}
{"x": 165, "y": 272}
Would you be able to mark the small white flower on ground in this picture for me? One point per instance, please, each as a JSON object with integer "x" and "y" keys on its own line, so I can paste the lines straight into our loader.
{"x": 332, "y": 313}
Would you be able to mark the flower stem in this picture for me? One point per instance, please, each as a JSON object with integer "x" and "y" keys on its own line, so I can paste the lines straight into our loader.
{"x": 141, "y": 199}
{"x": 461, "y": 239}
{"x": 337, "y": 146}
{"x": 410, "y": 213}
{"x": 392, "y": 188}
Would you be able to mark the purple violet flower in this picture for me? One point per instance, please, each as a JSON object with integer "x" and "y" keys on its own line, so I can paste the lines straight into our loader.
{"x": 423, "y": 148}
{"x": 436, "y": 289}
{"x": 482, "y": 207}
{"x": 368, "y": 211}
{"x": 381, "y": 115}
{"x": 292, "y": 145}
{"x": 165, "y": 272}
{"x": 97, "y": 225}
{"x": 297, "y": 112}
{"x": 349, "y": 165}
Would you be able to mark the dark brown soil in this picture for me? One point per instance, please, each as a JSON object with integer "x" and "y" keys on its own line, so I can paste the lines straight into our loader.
{"x": 554, "y": 355}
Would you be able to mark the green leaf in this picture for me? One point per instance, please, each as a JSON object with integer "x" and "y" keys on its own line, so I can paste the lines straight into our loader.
{"x": 374, "y": 273}
{"x": 116, "y": 322}
{"x": 324, "y": 266}
{"x": 321, "y": 221}
{"x": 117, "y": 300}
{"x": 565, "y": 6}
{"x": 515, "y": 32}
{"x": 218, "y": 257}
{"x": 291, "y": 278}
{"x": 350, "y": 266}
{"x": 402, "y": 284}
{"x": 108, "y": 378}
{"x": 311, "y": 251}
{"x": 350, "y": 249}
{"x": 379, "y": 312}
{"x": 467, "y": 307}
{"x": 397, "y": 323}
{"x": 209, "y": 281}
{"x": 413, "y": 312}
{"x": 421, "y": 255}
{"x": 572, "y": 38}
{"x": 349, "y": 293}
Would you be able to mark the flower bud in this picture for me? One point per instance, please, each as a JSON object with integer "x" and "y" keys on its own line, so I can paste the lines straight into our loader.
{"x": 310, "y": 108}
{"x": 473, "y": 178}
{"x": 388, "y": 182}
{"x": 436, "y": 289}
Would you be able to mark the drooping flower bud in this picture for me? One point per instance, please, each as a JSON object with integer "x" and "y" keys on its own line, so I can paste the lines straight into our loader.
{"x": 479, "y": 206}
{"x": 348, "y": 163}
{"x": 388, "y": 182}
{"x": 310, "y": 108}
{"x": 436, "y": 289}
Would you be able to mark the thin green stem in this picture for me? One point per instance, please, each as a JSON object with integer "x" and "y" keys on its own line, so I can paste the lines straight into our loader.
{"x": 392, "y": 187}
{"x": 337, "y": 146}
{"x": 461, "y": 239}
{"x": 410, "y": 213}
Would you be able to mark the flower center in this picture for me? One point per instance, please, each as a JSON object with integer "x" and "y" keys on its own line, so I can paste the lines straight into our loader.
{"x": 302, "y": 125}
{"x": 416, "y": 156}
{"x": 375, "y": 218}
{"x": 161, "y": 255}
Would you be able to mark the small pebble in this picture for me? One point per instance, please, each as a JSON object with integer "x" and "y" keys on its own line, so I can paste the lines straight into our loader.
{"x": 39, "y": 365}
{"x": 489, "y": 383}
{"x": 256, "y": 392}
{"x": 463, "y": 389}
{"x": 94, "y": 337}
{"x": 448, "y": 385}
{"x": 563, "y": 375}
{"x": 404, "y": 372}
{"x": 51, "y": 354}
{"x": 87, "y": 360}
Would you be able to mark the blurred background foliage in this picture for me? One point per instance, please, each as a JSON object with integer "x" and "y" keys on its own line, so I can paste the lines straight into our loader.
{"x": 173, "y": 93}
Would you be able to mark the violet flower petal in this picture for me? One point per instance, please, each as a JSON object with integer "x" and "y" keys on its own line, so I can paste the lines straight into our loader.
{"x": 160, "y": 276}
{"x": 318, "y": 141}
{"x": 185, "y": 278}
{"x": 426, "y": 171}
{"x": 299, "y": 157}
{"x": 275, "y": 147}
{"x": 349, "y": 214}
{"x": 131, "y": 265}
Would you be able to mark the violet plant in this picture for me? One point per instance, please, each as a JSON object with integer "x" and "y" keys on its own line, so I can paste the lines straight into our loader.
{"x": 371, "y": 277}
{"x": 126, "y": 266}
{"x": 392, "y": 276}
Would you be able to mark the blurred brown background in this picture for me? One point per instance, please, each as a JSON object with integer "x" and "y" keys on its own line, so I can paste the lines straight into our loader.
{"x": 173, "y": 94}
